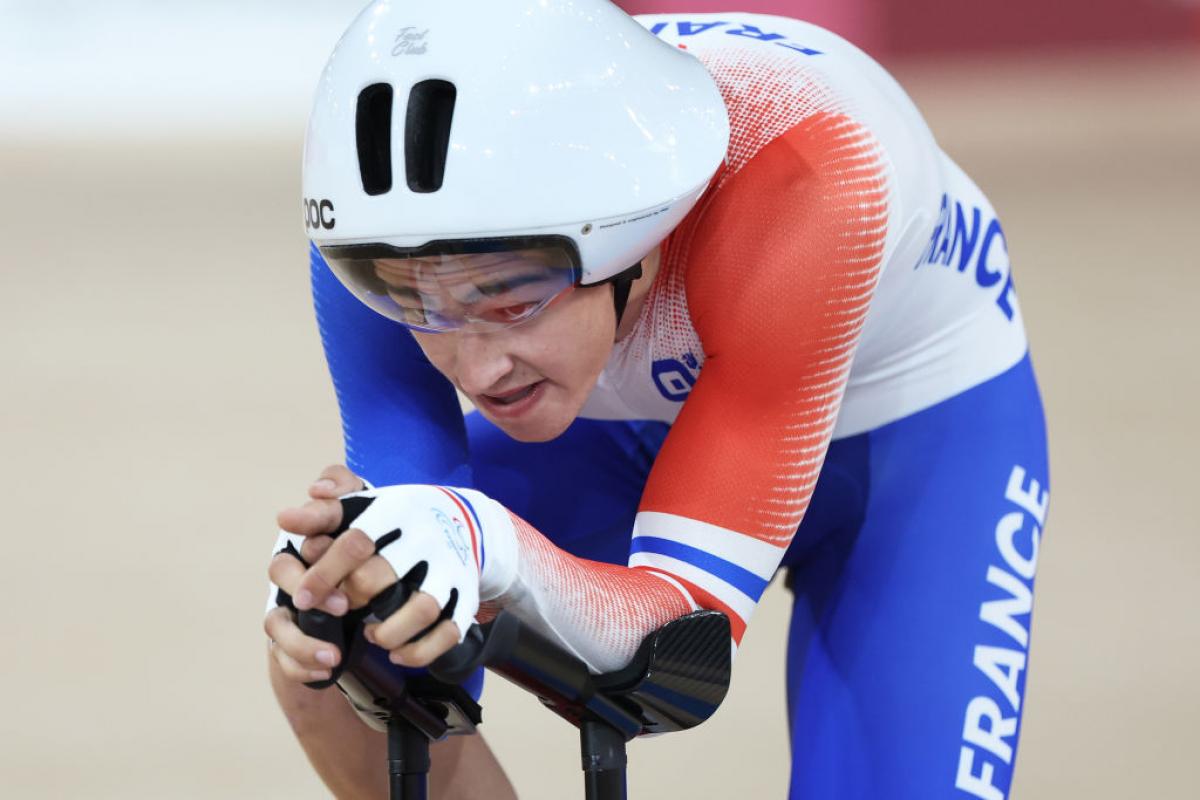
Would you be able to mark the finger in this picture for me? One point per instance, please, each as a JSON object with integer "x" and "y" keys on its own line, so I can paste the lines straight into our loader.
{"x": 349, "y": 552}
{"x": 286, "y": 572}
{"x": 312, "y": 655}
{"x": 426, "y": 650}
{"x": 314, "y": 518}
{"x": 438, "y": 586}
{"x": 367, "y": 581}
{"x": 294, "y": 671}
{"x": 416, "y": 615}
{"x": 314, "y": 547}
{"x": 335, "y": 481}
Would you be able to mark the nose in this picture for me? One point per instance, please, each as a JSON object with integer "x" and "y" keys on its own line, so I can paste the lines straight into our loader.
{"x": 482, "y": 361}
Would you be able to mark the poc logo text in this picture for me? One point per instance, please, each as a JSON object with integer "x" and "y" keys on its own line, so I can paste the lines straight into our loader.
{"x": 318, "y": 214}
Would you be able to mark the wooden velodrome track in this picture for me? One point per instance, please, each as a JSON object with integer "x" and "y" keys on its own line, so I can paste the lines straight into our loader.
{"x": 164, "y": 393}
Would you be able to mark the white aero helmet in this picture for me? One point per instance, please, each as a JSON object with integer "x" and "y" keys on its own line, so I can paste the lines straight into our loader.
{"x": 558, "y": 128}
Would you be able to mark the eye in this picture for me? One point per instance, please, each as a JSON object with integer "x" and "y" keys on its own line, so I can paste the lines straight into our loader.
{"x": 517, "y": 311}
{"x": 512, "y": 313}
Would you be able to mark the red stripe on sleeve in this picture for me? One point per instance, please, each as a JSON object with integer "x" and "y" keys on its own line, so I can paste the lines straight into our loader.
{"x": 470, "y": 525}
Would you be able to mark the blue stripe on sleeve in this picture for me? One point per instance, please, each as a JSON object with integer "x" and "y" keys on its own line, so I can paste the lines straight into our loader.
{"x": 740, "y": 578}
{"x": 478, "y": 527}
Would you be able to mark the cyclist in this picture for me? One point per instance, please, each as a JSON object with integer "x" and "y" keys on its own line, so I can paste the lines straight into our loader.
{"x": 724, "y": 308}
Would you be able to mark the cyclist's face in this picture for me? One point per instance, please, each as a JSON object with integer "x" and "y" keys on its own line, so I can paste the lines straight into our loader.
{"x": 531, "y": 379}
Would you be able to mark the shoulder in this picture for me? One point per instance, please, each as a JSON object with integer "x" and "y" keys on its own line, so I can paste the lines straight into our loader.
{"x": 776, "y": 73}
{"x": 757, "y": 58}
{"x": 827, "y": 152}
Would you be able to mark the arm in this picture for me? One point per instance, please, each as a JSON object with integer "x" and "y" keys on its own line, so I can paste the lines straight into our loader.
{"x": 400, "y": 417}
{"x": 402, "y": 423}
{"x": 785, "y": 258}
{"x": 791, "y": 253}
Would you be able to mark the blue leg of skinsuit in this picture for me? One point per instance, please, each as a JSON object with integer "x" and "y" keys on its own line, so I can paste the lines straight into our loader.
{"x": 888, "y": 570}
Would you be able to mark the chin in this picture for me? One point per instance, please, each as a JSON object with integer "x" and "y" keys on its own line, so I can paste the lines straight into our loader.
{"x": 530, "y": 431}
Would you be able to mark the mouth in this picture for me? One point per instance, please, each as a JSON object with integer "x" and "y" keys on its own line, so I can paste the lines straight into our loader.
{"x": 512, "y": 403}
{"x": 514, "y": 396}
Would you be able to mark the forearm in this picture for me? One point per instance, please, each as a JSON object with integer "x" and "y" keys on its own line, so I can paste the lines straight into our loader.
{"x": 600, "y": 612}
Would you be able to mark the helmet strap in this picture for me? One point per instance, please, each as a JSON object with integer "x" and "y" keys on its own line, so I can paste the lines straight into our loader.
{"x": 622, "y": 282}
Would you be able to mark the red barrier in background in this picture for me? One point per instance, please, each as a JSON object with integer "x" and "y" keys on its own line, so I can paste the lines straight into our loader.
{"x": 920, "y": 27}
{"x": 937, "y": 26}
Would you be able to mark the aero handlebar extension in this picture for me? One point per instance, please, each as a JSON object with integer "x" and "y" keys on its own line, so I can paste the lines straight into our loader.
{"x": 676, "y": 680}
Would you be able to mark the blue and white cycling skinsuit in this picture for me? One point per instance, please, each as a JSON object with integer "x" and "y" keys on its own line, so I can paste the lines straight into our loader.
{"x": 830, "y": 376}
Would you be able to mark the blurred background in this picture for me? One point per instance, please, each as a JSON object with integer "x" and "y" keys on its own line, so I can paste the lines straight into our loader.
{"x": 164, "y": 392}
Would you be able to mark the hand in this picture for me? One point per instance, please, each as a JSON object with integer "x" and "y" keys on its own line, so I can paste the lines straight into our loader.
{"x": 422, "y": 533}
{"x": 303, "y": 658}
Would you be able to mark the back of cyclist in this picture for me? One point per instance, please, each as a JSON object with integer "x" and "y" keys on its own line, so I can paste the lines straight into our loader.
{"x": 820, "y": 365}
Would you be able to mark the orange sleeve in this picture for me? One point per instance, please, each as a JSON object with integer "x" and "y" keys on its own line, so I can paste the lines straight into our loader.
{"x": 781, "y": 265}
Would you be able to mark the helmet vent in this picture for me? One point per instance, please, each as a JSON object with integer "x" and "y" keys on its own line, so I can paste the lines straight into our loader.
{"x": 374, "y": 129}
{"x": 427, "y": 134}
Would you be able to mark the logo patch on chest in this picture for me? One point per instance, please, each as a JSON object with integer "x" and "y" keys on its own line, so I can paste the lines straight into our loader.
{"x": 674, "y": 378}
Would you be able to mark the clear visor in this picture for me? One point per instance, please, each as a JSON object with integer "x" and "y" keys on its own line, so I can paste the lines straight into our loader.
{"x": 475, "y": 285}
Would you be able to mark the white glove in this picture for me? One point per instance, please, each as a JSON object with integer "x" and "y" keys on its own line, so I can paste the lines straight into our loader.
{"x": 292, "y": 543}
{"x": 465, "y": 540}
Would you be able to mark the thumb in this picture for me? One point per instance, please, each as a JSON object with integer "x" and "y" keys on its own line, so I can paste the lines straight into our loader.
{"x": 335, "y": 481}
